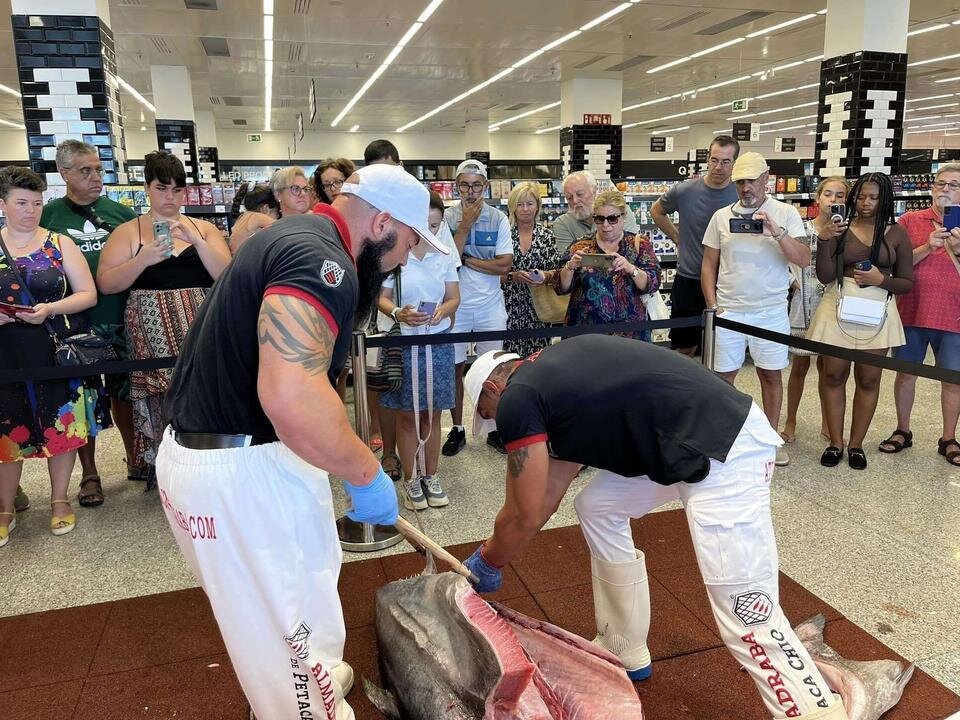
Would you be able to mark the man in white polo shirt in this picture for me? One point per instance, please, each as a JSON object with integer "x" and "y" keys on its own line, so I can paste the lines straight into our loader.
{"x": 745, "y": 277}
{"x": 482, "y": 235}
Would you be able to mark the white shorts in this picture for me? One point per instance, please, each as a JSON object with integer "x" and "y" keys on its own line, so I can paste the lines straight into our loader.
{"x": 489, "y": 317}
{"x": 731, "y": 346}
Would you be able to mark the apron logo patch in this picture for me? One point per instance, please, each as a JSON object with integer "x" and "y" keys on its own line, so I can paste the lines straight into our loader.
{"x": 331, "y": 273}
{"x": 298, "y": 640}
{"x": 753, "y": 608}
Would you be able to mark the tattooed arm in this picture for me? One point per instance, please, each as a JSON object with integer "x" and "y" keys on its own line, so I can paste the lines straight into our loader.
{"x": 296, "y": 346}
{"x": 535, "y": 485}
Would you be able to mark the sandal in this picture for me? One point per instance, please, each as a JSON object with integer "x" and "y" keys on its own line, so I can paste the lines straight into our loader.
{"x": 62, "y": 524}
{"x": 5, "y": 531}
{"x": 91, "y": 491}
{"x": 831, "y": 456}
{"x": 137, "y": 473}
{"x": 376, "y": 444}
{"x": 857, "y": 458}
{"x": 950, "y": 455}
{"x": 789, "y": 439}
{"x": 895, "y": 445}
{"x": 394, "y": 470}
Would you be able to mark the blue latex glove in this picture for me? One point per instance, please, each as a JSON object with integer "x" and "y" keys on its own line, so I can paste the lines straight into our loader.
{"x": 489, "y": 578}
{"x": 375, "y": 503}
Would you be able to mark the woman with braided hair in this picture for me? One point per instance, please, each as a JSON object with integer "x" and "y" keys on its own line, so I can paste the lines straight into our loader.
{"x": 872, "y": 259}
{"x": 261, "y": 209}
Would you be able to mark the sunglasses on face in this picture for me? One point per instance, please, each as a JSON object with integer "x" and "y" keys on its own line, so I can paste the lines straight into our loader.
{"x": 611, "y": 219}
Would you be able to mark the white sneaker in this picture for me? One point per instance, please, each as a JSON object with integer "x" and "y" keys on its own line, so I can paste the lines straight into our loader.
{"x": 436, "y": 497}
{"x": 782, "y": 458}
{"x": 413, "y": 497}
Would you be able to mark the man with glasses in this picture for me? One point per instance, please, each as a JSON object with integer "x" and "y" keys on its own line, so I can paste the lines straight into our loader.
{"x": 697, "y": 200}
{"x": 746, "y": 275}
{"x": 930, "y": 312}
{"x": 482, "y": 236}
{"x": 580, "y": 190}
{"x": 89, "y": 217}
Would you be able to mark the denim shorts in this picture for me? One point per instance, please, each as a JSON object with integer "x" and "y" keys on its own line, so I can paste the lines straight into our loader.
{"x": 946, "y": 347}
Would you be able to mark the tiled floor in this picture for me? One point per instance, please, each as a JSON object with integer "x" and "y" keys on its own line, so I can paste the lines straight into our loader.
{"x": 161, "y": 655}
{"x": 882, "y": 546}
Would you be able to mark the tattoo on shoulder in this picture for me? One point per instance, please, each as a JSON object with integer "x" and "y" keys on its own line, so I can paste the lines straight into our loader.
{"x": 297, "y": 332}
{"x": 516, "y": 460}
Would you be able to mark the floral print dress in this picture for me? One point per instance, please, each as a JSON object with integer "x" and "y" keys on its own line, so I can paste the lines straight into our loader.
{"x": 39, "y": 419}
{"x": 598, "y": 296}
{"x": 521, "y": 315}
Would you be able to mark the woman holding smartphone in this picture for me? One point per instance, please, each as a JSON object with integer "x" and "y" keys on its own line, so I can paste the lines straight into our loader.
{"x": 44, "y": 282}
{"x": 607, "y": 273}
{"x": 167, "y": 261}
{"x": 424, "y": 303}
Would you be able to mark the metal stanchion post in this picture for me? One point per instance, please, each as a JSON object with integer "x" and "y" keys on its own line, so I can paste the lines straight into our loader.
{"x": 354, "y": 536}
{"x": 709, "y": 344}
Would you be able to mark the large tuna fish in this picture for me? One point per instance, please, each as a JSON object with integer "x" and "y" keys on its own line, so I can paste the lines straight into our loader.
{"x": 448, "y": 653}
{"x": 868, "y": 689}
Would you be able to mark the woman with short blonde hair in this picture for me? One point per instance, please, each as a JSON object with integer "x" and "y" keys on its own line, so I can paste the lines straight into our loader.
{"x": 292, "y": 190}
{"x": 535, "y": 259}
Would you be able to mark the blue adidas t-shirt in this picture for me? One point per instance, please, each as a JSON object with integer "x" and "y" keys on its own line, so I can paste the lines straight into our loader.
{"x": 489, "y": 237}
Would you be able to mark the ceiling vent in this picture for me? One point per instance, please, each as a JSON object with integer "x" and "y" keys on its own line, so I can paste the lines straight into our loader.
{"x": 215, "y": 46}
{"x": 215, "y": 100}
{"x": 739, "y": 20}
{"x": 285, "y": 103}
{"x": 130, "y": 3}
{"x": 295, "y": 52}
{"x": 161, "y": 45}
{"x": 301, "y": 7}
{"x": 591, "y": 61}
{"x": 518, "y": 106}
{"x": 673, "y": 24}
{"x": 632, "y": 62}
{"x": 239, "y": 121}
{"x": 200, "y": 4}
{"x": 232, "y": 100}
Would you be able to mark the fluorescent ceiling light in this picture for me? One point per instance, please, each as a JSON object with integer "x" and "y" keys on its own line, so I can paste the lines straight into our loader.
{"x": 951, "y": 79}
{"x": 268, "y": 7}
{"x": 137, "y": 96}
{"x": 549, "y": 129}
{"x": 672, "y": 63}
{"x": 931, "y": 107}
{"x": 791, "y": 107}
{"x": 546, "y": 48}
{"x": 388, "y": 60}
{"x": 606, "y": 16}
{"x": 787, "y": 66}
{"x": 709, "y": 50}
{"x": 942, "y": 124}
{"x": 648, "y": 102}
{"x": 496, "y": 125}
{"x": 267, "y": 65}
{"x": 933, "y": 60}
{"x": 788, "y": 23}
{"x": 740, "y": 116}
{"x": 666, "y": 130}
{"x": 10, "y": 90}
{"x": 268, "y": 27}
{"x": 941, "y": 26}
{"x": 931, "y": 117}
{"x": 929, "y": 97}
{"x": 815, "y": 58}
{"x": 791, "y": 127}
{"x": 722, "y": 84}
{"x": 723, "y": 130}
{"x": 357, "y": 127}
{"x": 13, "y": 124}
{"x": 822, "y": 12}
{"x": 794, "y": 119}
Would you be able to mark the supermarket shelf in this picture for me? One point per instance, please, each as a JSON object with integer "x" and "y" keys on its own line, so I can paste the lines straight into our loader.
{"x": 811, "y": 196}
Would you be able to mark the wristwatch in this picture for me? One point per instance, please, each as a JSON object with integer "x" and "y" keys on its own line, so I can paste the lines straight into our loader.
{"x": 636, "y": 271}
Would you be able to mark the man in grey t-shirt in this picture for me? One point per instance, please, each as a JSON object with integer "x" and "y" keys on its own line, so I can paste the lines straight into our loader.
{"x": 697, "y": 200}
{"x": 580, "y": 190}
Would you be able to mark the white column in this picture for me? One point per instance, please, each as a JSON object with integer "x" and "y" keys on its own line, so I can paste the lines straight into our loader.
{"x": 206, "y": 128}
{"x": 477, "y": 135}
{"x": 855, "y": 25}
{"x": 100, "y": 8}
{"x": 172, "y": 92}
{"x": 600, "y": 94}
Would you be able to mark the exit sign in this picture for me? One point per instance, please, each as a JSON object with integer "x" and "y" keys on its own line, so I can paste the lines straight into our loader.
{"x": 254, "y": 137}
{"x": 597, "y": 119}
{"x": 740, "y": 105}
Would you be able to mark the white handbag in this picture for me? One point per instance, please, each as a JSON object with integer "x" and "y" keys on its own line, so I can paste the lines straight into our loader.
{"x": 656, "y": 308}
{"x": 861, "y": 311}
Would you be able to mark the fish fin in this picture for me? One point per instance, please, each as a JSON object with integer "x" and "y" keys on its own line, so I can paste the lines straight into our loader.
{"x": 431, "y": 568}
{"x": 811, "y": 630}
{"x": 382, "y": 700}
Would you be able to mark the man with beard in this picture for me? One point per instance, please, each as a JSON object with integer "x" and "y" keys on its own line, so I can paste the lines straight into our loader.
{"x": 256, "y": 425}
{"x": 746, "y": 275}
{"x": 580, "y": 189}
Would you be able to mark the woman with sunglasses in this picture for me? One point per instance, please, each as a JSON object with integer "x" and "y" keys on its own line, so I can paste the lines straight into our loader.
{"x": 292, "y": 190}
{"x": 329, "y": 177}
{"x": 608, "y": 272}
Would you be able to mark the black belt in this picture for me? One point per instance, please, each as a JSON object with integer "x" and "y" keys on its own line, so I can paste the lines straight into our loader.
{"x": 214, "y": 441}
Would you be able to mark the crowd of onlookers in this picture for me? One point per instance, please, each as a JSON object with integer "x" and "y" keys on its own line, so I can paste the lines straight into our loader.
{"x": 85, "y": 263}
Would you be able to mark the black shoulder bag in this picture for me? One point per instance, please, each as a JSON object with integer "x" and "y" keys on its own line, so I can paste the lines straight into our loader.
{"x": 88, "y": 213}
{"x": 79, "y": 349}
{"x": 388, "y": 377}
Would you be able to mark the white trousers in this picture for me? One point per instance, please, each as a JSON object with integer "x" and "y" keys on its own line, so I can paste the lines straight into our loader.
{"x": 492, "y": 316}
{"x": 257, "y": 527}
{"x": 728, "y": 513}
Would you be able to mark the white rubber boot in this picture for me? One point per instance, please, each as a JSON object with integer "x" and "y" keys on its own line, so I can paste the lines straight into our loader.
{"x": 342, "y": 675}
{"x": 621, "y": 603}
{"x": 834, "y": 712}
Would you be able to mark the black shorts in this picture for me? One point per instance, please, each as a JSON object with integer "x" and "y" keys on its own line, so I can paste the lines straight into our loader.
{"x": 686, "y": 300}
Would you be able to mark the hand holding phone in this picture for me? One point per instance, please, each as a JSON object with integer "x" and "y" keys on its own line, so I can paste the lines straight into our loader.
{"x": 601, "y": 261}
{"x": 951, "y": 217}
{"x": 747, "y": 226}
{"x": 838, "y": 213}
{"x": 10, "y": 310}
{"x": 162, "y": 234}
{"x": 537, "y": 276}
{"x": 427, "y": 308}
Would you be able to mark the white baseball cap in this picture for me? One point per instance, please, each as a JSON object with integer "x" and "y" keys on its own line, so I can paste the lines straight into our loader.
{"x": 390, "y": 188}
{"x": 471, "y": 166}
{"x": 473, "y": 385}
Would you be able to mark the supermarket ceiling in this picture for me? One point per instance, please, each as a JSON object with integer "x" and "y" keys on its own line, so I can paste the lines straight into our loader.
{"x": 342, "y": 44}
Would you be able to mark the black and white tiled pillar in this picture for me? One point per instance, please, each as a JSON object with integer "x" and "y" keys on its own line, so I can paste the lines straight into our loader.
{"x": 68, "y": 79}
{"x": 591, "y": 136}
{"x": 176, "y": 125}
{"x": 863, "y": 83}
{"x": 208, "y": 165}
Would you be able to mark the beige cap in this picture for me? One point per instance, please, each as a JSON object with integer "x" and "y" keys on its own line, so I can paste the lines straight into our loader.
{"x": 749, "y": 166}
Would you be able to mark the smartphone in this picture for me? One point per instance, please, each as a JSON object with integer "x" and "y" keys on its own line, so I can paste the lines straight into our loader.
{"x": 597, "y": 260}
{"x": 161, "y": 232}
{"x": 12, "y": 309}
{"x": 427, "y": 307}
{"x": 863, "y": 265}
{"x": 536, "y": 276}
{"x": 838, "y": 212}
{"x": 951, "y": 217}
{"x": 746, "y": 225}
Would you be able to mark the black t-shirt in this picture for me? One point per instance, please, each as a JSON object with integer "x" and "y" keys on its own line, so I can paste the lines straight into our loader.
{"x": 214, "y": 385}
{"x": 622, "y": 405}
